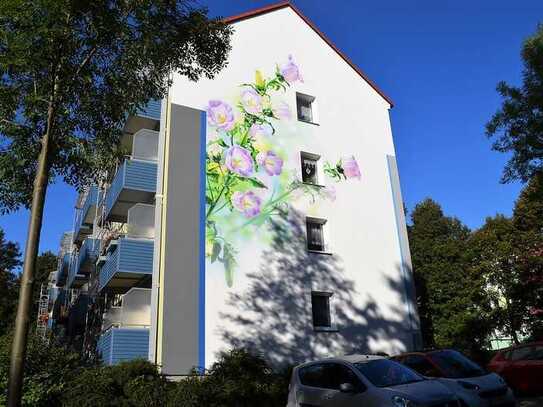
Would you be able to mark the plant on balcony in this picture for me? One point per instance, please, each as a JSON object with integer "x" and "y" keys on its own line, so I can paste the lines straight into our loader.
{"x": 246, "y": 182}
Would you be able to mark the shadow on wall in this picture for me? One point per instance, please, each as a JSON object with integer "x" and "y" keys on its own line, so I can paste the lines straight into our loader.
{"x": 274, "y": 314}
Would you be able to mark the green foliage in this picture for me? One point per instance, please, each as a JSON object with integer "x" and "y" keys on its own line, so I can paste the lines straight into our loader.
{"x": 452, "y": 309}
{"x": 73, "y": 69}
{"x": 9, "y": 259}
{"x": 470, "y": 284}
{"x": 134, "y": 383}
{"x": 237, "y": 379}
{"x": 48, "y": 369}
{"x": 517, "y": 127}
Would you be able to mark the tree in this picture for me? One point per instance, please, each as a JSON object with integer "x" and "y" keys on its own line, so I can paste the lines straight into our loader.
{"x": 528, "y": 221}
{"x": 49, "y": 370}
{"x": 69, "y": 73}
{"x": 9, "y": 259}
{"x": 451, "y": 308}
{"x": 517, "y": 126}
{"x": 496, "y": 257}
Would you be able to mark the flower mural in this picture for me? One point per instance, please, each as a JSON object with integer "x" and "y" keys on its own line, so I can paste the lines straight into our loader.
{"x": 246, "y": 182}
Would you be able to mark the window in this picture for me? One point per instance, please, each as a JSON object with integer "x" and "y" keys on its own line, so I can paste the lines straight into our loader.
{"x": 385, "y": 373}
{"x": 314, "y": 376}
{"x": 320, "y": 307}
{"x": 421, "y": 365}
{"x": 305, "y": 108}
{"x": 521, "y": 353}
{"x": 310, "y": 168}
{"x": 537, "y": 353}
{"x": 329, "y": 376}
{"x": 315, "y": 234}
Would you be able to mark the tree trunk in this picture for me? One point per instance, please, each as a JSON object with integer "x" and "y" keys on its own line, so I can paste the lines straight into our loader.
{"x": 22, "y": 320}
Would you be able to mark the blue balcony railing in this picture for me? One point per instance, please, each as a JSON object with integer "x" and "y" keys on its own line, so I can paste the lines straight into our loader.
{"x": 135, "y": 182}
{"x": 81, "y": 264}
{"x": 151, "y": 111}
{"x": 63, "y": 269}
{"x": 120, "y": 344}
{"x": 126, "y": 263}
{"x": 145, "y": 118}
{"x": 85, "y": 214}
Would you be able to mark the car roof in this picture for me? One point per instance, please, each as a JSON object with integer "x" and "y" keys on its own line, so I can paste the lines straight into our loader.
{"x": 346, "y": 358}
{"x": 423, "y": 352}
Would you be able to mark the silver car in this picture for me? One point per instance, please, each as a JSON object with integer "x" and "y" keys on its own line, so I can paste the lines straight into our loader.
{"x": 473, "y": 386}
{"x": 363, "y": 380}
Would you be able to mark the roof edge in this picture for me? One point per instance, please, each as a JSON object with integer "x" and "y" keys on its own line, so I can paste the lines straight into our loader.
{"x": 283, "y": 4}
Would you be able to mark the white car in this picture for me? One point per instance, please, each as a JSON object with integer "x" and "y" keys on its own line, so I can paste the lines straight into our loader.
{"x": 363, "y": 380}
{"x": 473, "y": 386}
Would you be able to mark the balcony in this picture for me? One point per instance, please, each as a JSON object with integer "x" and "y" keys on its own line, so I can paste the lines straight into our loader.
{"x": 134, "y": 311}
{"x": 135, "y": 182}
{"x": 63, "y": 269}
{"x": 126, "y": 262}
{"x": 83, "y": 263}
{"x": 120, "y": 344}
{"x": 146, "y": 118}
{"x": 85, "y": 213}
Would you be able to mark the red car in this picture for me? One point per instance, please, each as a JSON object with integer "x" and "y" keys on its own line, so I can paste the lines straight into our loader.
{"x": 521, "y": 366}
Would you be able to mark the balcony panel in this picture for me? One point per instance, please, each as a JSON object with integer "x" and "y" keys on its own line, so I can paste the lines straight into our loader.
{"x": 63, "y": 269}
{"x": 119, "y": 344}
{"x": 127, "y": 264}
{"x": 86, "y": 214}
{"x": 146, "y": 118}
{"x": 82, "y": 264}
{"x": 135, "y": 182}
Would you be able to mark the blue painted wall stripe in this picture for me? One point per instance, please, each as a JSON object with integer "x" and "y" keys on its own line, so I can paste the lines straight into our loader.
{"x": 202, "y": 244}
{"x": 398, "y": 206}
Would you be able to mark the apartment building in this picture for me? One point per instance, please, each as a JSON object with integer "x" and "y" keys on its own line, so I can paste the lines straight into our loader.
{"x": 259, "y": 209}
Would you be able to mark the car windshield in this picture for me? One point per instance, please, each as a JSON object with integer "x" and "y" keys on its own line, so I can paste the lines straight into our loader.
{"x": 455, "y": 365}
{"x": 385, "y": 373}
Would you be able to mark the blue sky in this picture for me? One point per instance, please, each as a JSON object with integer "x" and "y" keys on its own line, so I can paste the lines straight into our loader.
{"x": 440, "y": 63}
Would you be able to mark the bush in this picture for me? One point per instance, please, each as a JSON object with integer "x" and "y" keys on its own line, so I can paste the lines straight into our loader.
{"x": 134, "y": 383}
{"x": 48, "y": 368}
{"x": 57, "y": 377}
{"x": 237, "y": 379}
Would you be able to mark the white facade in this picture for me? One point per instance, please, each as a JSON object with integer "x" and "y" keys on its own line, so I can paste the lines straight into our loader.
{"x": 365, "y": 271}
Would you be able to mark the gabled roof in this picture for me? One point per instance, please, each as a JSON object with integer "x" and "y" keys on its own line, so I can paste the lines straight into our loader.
{"x": 283, "y": 4}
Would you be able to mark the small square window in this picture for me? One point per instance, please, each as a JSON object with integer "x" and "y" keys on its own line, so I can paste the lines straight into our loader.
{"x": 320, "y": 308}
{"x": 310, "y": 168}
{"x": 315, "y": 234}
{"x": 305, "y": 107}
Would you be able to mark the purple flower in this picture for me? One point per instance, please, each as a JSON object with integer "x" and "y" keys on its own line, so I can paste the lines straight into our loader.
{"x": 350, "y": 167}
{"x": 247, "y": 202}
{"x": 239, "y": 160}
{"x": 330, "y": 192}
{"x": 270, "y": 161}
{"x": 282, "y": 111}
{"x": 291, "y": 72}
{"x": 251, "y": 101}
{"x": 220, "y": 115}
{"x": 260, "y": 130}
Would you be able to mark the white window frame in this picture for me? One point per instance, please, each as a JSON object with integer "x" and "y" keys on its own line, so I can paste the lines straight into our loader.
{"x": 325, "y": 234}
{"x": 320, "y": 170}
{"x": 314, "y": 110}
{"x": 331, "y": 309}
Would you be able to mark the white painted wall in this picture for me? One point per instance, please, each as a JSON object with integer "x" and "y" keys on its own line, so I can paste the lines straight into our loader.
{"x": 353, "y": 119}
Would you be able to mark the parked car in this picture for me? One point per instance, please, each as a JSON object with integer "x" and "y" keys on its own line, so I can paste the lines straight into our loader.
{"x": 473, "y": 385}
{"x": 521, "y": 366}
{"x": 363, "y": 380}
